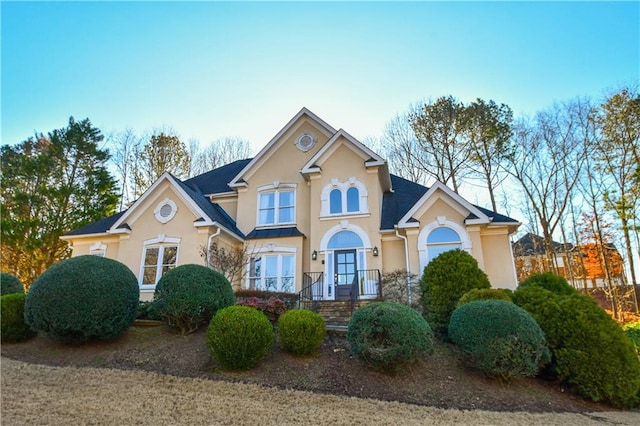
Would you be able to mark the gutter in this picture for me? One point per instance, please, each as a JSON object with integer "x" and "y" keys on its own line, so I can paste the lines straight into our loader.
{"x": 406, "y": 256}
{"x": 209, "y": 244}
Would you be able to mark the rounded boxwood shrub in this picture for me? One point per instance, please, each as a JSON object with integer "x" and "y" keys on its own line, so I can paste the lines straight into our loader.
{"x": 484, "y": 294}
{"x": 500, "y": 338}
{"x": 190, "y": 295}
{"x": 549, "y": 281}
{"x": 301, "y": 331}
{"x": 13, "y": 327}
{"x": 591, "y": 352}
{"x": 10, "y": 284}
{"x": 446, "y": 278}
{"x": 386, "y": 335}
{"x": 82, "y": 298}
{"x": 238, "y": 337}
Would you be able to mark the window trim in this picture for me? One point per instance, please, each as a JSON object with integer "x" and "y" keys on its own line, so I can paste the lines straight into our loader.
{"x": 279, "y": 253}
{"x": 441, "y": 222}
{"x": 344, "y": 187}
{"x": 161, "y": 241}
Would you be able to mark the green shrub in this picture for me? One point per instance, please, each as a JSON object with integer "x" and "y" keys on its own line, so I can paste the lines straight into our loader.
{"x": 386, "y": 335}
{"x": 485, "y": 294}
{"x": 632, "y": 330}
{"x": 10, "y": 284}
{"x": 549, "y": 281}
{"x": 500, "y": 338}
{"x": 13, "y": 328}
{"x": 301, "y": 331}
{"x": 190, "y": 295}
{"x": 83, "y": 298}
{"x": 591, "y": 352}
{"x": 446, "y": 278}
{"x": 238, "y": 337}
{"x": 148, "y": 310}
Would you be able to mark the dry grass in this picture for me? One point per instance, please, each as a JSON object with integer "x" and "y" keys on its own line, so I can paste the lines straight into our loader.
{"x": 37, "y": 394}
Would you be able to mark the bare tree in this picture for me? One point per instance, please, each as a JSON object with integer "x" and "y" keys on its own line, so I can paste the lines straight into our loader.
{"x": 230, "y": 260}
{"x": 218, "y": 153}
{"x": 124, "y": 147}
{"x": 163, "y": 152}
{"x": 547, "y": 161}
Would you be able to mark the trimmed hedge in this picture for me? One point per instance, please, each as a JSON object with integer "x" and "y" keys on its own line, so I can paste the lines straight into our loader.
{"x": 83, "y": 298}
{"x": 549, "y": 281}
{"x": 10, "y": 284}
{"x": 238, "y": 337}
{"x": 386, "y": 335}
{"x": 591, "y": 352}
{"x": 13, "y": 326}
{"x": 485, "y": 294}
{"x": 301, "y": 331}
{"x": 190, "y": 295}
{"x": 445, "y": 280}
{"x": 500, "y": 338}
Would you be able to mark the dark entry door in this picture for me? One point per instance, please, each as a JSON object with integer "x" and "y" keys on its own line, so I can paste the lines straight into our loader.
{"x": 346, "y": 272}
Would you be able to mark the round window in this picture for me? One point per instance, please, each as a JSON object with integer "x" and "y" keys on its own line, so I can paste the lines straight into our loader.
{"x": 305, "y": 141}
{"x": 166, "y": 210}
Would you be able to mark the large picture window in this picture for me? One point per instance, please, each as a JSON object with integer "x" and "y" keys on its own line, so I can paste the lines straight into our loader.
{"x": 272, "y": 273}
{"x": 158, "y": 260}
{"x": 276, "y": 207}
{"x": 441, "y": 240}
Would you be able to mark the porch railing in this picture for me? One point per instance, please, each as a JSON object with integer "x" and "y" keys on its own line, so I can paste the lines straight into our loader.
{"x": 312, "y": 290}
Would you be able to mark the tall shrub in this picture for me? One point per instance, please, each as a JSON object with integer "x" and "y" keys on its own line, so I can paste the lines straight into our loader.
{"x": 14, "y": 328}
{"x": 190, "y": 295}
{"x": 83, "y": 298}
{"x": 446, "y": 278}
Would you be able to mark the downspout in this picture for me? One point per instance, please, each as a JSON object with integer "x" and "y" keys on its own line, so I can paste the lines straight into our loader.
{"x": 211, "y": 237}
{"x": 406, "y": 256}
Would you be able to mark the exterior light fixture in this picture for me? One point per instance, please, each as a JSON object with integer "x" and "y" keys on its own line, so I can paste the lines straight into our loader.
{"x": 375, "y": 251}
{"x": 314, "y": 255}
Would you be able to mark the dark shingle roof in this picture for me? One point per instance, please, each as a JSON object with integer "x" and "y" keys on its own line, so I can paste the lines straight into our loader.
{"x": 217, "y": 180}
{"x": 98, "y": 227}
{"x": 274, "y": 233}
{"x": 406, "y": 194}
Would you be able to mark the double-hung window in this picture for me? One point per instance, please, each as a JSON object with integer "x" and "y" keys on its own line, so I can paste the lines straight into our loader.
{"x": 276, "y": 207}
{"x": 272, "y": 272}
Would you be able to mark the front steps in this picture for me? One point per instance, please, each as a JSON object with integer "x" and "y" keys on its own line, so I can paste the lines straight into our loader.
{"x": 337, "y": 313}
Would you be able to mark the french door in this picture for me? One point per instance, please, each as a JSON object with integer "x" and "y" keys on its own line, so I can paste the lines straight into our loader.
{"x": 346, "y": 272}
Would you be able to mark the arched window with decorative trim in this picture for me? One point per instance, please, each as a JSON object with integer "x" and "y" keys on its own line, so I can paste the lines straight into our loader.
{"x": 344, "y": 198}
{"x": 441, "y": 240}
{"x": 353, "y": 200}
{"x": 335, "y": 201}
{"x": 439, "y": 236}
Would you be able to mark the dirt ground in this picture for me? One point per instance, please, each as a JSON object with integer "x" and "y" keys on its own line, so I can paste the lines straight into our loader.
{"x": 438, "y": 380}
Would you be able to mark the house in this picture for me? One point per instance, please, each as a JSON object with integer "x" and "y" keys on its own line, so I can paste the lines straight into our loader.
{"x": 315, "y": 210}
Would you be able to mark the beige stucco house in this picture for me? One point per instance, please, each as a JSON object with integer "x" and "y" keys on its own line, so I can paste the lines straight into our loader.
{"x": 315, "y": 209}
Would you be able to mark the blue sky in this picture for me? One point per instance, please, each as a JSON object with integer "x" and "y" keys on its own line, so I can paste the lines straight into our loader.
{"x": 216, "y": 69}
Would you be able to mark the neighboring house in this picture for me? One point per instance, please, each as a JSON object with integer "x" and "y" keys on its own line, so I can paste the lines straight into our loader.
{"x": 314, "y": 209}
{"x": 581, "y": 265}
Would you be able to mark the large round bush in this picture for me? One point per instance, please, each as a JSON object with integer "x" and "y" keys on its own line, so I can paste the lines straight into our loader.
{"x": 301, "y": 331}
{"x": 446, "y": 278}
{"x": 549, "y": 281}
{"x": 10, "y": 284}
{"x": 14, "y": 329}
{"x": 238, "y": 337}
{"x": 190, "y": 295}
{"x": 485, "y": 294}
{"x": 500, "y": 338}
{"x": 82, "y": 298}
{"x": 590, "y": 350}
{"x": 387, "y": 334}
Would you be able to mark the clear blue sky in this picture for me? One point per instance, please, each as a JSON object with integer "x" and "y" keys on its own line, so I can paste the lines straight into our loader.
{"x": 213, "y": 69}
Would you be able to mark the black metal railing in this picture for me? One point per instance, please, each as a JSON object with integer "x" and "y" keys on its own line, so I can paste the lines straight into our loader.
{"x": 312, "y": 290}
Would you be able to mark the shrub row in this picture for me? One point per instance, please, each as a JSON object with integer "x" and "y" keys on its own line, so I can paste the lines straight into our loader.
{"x": 591, "y": 352}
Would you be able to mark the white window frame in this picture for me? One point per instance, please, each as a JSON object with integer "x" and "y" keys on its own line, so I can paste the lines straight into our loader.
{"x": 441, "y": 221}
{"x": 271, "y": 251}
{"x": 276, "y": 188}
{"x": 343, "y": 187}
{"x": 161, "y": 242}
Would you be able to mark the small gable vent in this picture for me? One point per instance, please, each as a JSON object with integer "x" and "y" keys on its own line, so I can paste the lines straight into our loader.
{"x": 306, "y": 141}
{"x": 166, "y": 210}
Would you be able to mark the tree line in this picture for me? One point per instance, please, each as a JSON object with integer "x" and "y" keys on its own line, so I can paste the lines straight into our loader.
{"x": 572, "y": 164}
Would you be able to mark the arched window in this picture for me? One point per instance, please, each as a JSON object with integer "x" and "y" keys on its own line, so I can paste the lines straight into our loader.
{"x": 441, "y": 240}
{"x": 335, "y": 201}
{"x": 353, "y": 200}
{"x": 344, "y": 239}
